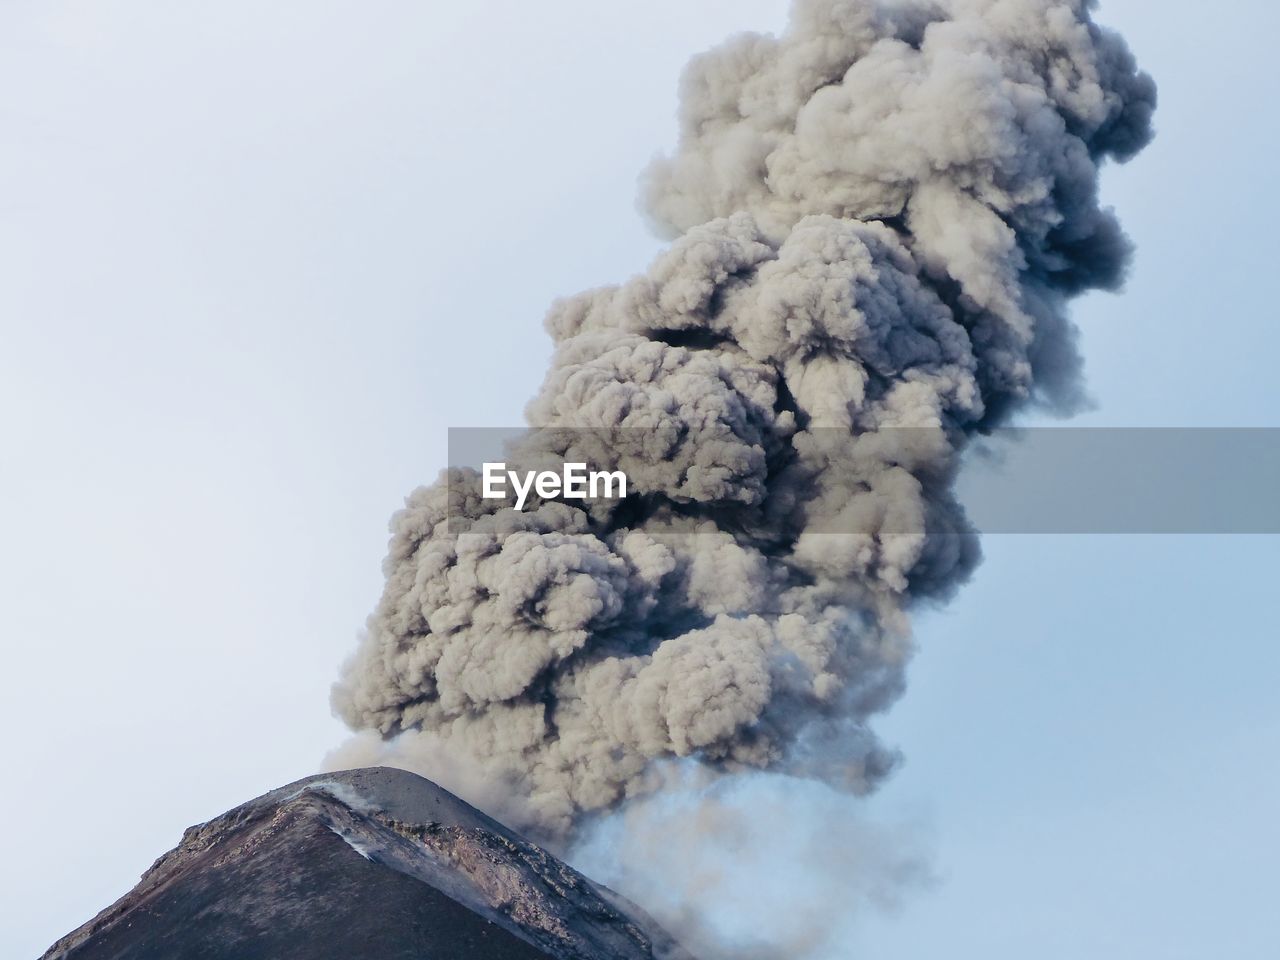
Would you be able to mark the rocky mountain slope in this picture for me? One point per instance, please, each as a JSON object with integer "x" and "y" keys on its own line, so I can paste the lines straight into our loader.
{"x": 376, "y": 864}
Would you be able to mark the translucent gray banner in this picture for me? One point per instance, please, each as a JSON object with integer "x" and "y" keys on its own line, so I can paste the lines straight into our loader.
{"x": 1011, "y": 481}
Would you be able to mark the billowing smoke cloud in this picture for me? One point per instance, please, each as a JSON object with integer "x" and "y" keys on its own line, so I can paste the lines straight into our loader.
{"x": 878, "y": 219}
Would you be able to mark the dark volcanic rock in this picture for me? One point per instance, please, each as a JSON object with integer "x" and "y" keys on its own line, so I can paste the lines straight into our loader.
{"x": 374, "y": 864}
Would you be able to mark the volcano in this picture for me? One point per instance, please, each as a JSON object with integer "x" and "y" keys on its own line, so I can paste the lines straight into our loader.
{"x": 379, "y": 864}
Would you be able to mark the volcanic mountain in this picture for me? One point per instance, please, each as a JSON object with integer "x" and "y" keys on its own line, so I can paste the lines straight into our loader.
{"x": 376, "y": 864}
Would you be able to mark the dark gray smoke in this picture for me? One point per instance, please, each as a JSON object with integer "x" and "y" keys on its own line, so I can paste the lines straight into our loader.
{"x": 878, "y": 220}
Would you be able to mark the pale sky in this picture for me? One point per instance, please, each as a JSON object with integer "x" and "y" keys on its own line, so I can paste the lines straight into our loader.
{"x": 252, "y": 255}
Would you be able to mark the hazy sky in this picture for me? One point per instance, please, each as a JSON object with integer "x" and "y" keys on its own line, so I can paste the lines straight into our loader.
{"x": 245, "y": 251}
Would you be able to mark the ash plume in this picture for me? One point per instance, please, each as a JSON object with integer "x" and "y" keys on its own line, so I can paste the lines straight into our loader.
{"x": 877, "y": 221}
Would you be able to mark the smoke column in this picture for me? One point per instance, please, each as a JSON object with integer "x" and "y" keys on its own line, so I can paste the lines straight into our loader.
{"x": 877, "y": 221}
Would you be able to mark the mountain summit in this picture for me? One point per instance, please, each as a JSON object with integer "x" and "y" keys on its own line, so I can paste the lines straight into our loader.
{"x": 378, "y": 864}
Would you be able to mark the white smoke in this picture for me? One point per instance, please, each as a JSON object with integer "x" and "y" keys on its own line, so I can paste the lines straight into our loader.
{"x": 878, "y": 218}
{"x": 757, "y": 867}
